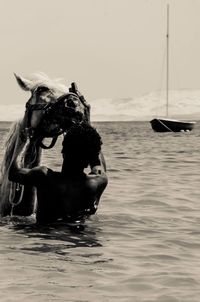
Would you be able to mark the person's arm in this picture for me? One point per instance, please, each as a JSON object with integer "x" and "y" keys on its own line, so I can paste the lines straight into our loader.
{"x": 25, "y": 176}
{"x": 98, "y": 165}
{"x": 100, "y": 180}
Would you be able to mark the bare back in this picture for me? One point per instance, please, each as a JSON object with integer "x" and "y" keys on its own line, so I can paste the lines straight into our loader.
{"x": 68, "y": 196}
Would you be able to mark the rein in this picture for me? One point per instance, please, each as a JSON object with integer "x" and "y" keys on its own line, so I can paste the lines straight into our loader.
{"x": 18, "y": 195}
{"x": 51, "y": 145}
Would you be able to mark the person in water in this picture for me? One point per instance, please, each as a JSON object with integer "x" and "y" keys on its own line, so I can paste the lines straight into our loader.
{"x": 70, "y": 194}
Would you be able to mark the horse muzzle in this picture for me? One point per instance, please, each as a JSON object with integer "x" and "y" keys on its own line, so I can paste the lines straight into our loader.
{"x": 54, "y": 118}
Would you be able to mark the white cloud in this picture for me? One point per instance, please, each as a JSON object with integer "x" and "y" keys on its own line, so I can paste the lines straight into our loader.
{"x": 183, "y": 103}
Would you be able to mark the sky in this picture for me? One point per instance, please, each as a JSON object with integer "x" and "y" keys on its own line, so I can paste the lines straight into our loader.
{"x": 111, "y": 48}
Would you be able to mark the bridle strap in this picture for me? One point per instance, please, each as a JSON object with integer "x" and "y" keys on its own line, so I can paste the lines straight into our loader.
{"x": 32, "y": 107}
{"x": 52, "y": 144}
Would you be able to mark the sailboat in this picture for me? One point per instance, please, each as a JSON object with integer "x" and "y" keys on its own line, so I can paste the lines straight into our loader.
{"x": 167, "y": 124}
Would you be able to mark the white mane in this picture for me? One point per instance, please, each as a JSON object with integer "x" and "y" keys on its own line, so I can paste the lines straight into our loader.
{"x": 40, "y": 78}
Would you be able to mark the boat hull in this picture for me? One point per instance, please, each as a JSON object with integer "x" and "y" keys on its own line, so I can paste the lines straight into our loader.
{"x": 167, "y": 125}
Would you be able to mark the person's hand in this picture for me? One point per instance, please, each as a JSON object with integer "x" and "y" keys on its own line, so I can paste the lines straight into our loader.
{"x": 96, "y": 170}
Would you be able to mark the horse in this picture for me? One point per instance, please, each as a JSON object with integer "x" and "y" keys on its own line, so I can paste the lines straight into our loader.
{"x": 50, "y": 111}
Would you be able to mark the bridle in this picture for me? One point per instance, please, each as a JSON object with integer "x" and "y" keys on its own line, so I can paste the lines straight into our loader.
{"x": 48, "y": 111}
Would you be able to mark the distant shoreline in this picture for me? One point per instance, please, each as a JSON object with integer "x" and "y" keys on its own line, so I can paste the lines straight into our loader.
{"x": 114, "y": 121}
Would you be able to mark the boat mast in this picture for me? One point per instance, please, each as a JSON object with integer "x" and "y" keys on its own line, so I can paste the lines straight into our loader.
{"x": 167, "y": 77}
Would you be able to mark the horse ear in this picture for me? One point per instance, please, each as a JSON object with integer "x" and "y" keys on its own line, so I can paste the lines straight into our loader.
{"x": 23, "y": 83}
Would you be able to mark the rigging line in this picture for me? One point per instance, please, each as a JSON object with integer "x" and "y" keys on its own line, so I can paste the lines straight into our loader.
{"x": 165, "y": 126}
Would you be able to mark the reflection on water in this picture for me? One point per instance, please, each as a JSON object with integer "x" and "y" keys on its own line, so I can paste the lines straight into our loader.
{"x": 71, "y": 236}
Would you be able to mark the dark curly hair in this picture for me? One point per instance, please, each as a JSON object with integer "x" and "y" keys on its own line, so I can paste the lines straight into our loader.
{"x": 82, "y": 142}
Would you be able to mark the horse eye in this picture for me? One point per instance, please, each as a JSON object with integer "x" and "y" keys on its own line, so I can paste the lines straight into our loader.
{"x": 42, "y": 89}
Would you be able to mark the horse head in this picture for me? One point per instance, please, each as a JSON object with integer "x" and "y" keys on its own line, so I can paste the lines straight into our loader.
{"x": 51, "y": 109}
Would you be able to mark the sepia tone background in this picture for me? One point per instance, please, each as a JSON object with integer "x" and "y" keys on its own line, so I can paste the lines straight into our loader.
{"x": 112, "y": 49}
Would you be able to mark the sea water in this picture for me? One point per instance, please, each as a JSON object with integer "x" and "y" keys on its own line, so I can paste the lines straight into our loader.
{"x": 143, "y": 245}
